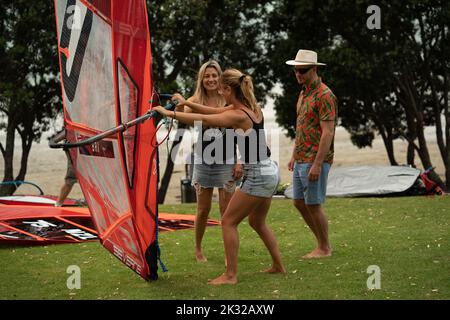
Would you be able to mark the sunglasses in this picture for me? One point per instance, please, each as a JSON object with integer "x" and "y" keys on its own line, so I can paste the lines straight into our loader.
{"x": 302, "y": 71}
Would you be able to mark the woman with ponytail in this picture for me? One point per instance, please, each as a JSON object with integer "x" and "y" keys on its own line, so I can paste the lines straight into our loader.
{"x": 213, "y": 171}
{"x": 260, "y": 179}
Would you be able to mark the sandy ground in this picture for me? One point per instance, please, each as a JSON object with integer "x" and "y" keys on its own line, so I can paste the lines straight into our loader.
{"x": 47, "y": 166}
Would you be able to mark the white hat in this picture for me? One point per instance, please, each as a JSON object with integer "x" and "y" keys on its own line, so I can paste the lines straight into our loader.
{"x": 305, "y": 58}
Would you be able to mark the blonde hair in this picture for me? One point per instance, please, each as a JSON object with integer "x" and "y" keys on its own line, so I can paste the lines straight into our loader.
{"x": 242, "y": 85}
{"x": 200, "y": 95}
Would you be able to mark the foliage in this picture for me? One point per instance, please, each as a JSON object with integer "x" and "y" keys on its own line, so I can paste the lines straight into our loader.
{"x": 185, "y": 34}
{"x": 28, "y": 81}
{"x": 393, "y": 81}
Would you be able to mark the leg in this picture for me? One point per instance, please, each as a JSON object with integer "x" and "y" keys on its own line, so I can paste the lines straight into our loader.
{"x": 224, "y": 199}
{"x": 225, "y": 195}
{"x": 310, "y": 206}
{"x": 306, "y": 214}
{"x": 204, "y": 196}
{"x": 64, "y": 192}
{"x": 257, "y": 220}
{"x": 321, "y": 222}
{"x": 69, "y": 180}
{"x": 300, "y": 192}
{"x": 239, "y": 207}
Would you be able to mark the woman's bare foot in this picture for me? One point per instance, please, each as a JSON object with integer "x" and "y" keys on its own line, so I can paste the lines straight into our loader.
{"x": 318, "y": 253}
{"x": 223, "y": 279}
{"x": 200, "y": 257}
{"x": 275, "y": 269}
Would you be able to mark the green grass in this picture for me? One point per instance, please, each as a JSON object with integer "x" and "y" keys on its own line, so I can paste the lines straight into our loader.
{"x": 408, "y": 238}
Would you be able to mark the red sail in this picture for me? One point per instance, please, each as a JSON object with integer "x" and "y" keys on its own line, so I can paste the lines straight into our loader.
{"x": 105, "y": 62}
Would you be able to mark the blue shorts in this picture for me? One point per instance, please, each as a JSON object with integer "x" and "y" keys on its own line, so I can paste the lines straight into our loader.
{"x": 214, "y": 176}
{"x": 312, "y": 192}
{"x": 260, "y": 179}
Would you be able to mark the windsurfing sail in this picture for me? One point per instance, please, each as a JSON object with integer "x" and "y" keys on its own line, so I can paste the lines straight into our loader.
{"x": 42, "y": 200}
{"x": 38, "y": 225}
{"x": 105, "y": 63}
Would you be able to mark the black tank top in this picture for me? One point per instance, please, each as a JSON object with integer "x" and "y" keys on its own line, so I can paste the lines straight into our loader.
{"x": 254, "y": 152}
{"x": 206, "y": 139}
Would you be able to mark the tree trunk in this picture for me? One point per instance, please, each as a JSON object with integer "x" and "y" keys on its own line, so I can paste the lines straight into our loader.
{"x": 8, "y": 157}
{"x": 389, "y": 145}
{"x": 433, "y": 81}
{"x": 414, "y": 116}
{"x": 386, "y": 135}
{"x": 447, "y": 178}
{"x": 410, "y": 156}
{"x": 27, "y": 141}
{"x": 425, "y": 158}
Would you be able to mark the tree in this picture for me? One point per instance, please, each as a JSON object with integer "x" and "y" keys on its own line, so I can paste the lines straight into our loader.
{"x": 28, "y": 81}
{"x": 412, "y": 43}
{"x": 392, "y": 80}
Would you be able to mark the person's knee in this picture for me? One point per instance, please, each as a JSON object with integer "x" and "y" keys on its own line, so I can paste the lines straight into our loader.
{"x": 203, "y": 209}
{"x": 203, "y": 212}
{"x": 227, "y": 222}
{"x": 255, "y": 223}
{"x": 300, "y": 204}
{"x": 314, "y": 208}
{"x": 203, "y": 202}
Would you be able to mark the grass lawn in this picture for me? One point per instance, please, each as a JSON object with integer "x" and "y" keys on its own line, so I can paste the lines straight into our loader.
{"x": 407, "y": 238}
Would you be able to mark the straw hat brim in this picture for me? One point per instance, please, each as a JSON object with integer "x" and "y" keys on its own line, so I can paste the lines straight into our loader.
{"x": 300, "y": 63}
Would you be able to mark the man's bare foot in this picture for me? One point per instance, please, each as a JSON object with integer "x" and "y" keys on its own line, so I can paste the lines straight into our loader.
{"x": 223, "y": 279}
{"x": 200, "y": 257}
{"x": 318, "y": 253}
{"x": 273, "y": 269}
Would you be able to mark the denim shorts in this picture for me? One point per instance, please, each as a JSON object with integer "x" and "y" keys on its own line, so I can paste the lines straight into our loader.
{"x": 260, "y": 179}
{"x": 312, "y": 192}
{"x": 213, "y": 176}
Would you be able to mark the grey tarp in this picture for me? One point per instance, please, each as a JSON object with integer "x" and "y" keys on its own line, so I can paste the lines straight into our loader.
{"x": 367, "y": 181}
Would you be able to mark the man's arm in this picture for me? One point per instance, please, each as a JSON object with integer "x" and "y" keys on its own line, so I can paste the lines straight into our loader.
{"x": 292, "y": 161}
{"x": 324, "y": 146}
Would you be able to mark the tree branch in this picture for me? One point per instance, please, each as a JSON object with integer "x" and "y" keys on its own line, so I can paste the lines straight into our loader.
{"x": 2, "y": 109}
{"x": 411, "y": 142}
{"x": 2, "y": 149}
{"x": 176, "y": 70}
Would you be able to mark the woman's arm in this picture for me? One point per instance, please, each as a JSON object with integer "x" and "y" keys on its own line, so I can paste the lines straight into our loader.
{"x": 191, "y": 106}
{"x": 227, "y": 119}
{"x": 186, "y": 108}
{"x": 199, "y": 108}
